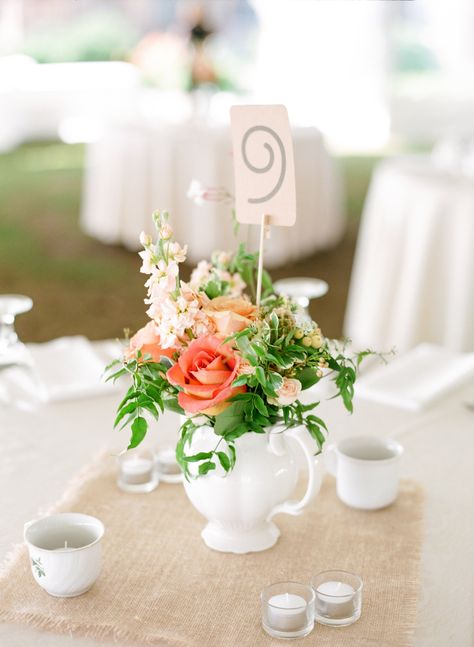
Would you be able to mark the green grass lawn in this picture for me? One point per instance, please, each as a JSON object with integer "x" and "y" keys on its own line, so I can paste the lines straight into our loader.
{"x": 81, "y": 286}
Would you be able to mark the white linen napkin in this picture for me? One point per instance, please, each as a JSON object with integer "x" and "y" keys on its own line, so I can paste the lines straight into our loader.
{"x": 68, "y": 368}
{"x": 417, "y": 378}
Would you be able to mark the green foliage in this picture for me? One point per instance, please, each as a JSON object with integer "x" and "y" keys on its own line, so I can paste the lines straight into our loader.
{"x": 205, "y": 461}
{"x": 308, "y": 377}
{"x": 150, "y": 393}
{"x": 171, "y": 403}
{"x": 139, "y": 429}
{"x": 216, "y": 288}
{"x": 246, "y": 264}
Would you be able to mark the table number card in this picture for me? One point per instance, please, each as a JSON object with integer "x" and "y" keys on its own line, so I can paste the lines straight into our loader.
{"x": 263, "y": 165}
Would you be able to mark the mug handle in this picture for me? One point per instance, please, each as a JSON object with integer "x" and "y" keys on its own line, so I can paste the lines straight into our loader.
{"x": 301, "y": 436}
{"x": 330, "y": 459}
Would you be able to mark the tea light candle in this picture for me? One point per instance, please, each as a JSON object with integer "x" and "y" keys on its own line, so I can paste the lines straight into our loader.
{"x": 287, "y": 612}
{"x": 168, "y": 468}
{"x": 137, "y": 471}
{"x": 338, "y": 598}
{"x": 288, "y": 609}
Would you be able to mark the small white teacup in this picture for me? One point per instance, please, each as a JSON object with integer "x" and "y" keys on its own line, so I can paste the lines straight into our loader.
{"x": 366, "y": 470}
{"x": 65, "y": 552}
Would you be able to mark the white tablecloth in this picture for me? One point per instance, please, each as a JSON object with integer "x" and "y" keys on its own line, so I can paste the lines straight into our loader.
{"x": 413, "y": 275}
{"x": 136, "y": 169}
{"x": 42, "y": 449}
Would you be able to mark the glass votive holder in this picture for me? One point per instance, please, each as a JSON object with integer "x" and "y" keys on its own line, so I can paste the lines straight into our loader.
{"x": 137, "y": 471}
{"x": 338, "y": 601}
{"x": 168, "y": 468}
{"x": 288, "y": 609}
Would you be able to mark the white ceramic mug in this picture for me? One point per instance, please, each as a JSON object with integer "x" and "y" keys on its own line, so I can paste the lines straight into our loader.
{"x": 366, "y": 470}
{"x": 65, "y": 552}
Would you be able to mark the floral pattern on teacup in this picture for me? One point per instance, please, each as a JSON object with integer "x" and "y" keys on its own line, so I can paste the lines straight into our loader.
{"x": 38, "y": 566}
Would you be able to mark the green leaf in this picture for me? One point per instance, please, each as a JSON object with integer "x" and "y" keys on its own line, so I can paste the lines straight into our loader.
{"x": 201, "y": 456}
{"x": 149, "y": 406}
{"x": 307, "y": 376}
{"x": 260, "y": 375}
{"x": 317, "y": 435}
{"x": 275, "y": 380}
{"x": 215, "y": 288}
{"x": 247, "y": 351}
{"x": 240, "y": 381}
{"x": 232, "y": 454}
{"x": 317, "y": 421}
{"x": 236, "y": 432}
{"x": 345, "y": 383}
{"x": 114, "y": 362}
{"x": 248, "y": 395}
{"x": 258, "y": 419}
{"x": 260, "y": 405}
{"x": 224, "y": 460}
{"x": 128, "y": 408}
{"x": 139, "y": 429}
{"x": 229, "y": 418}
{"x": 258, "y": 351}
{"x": 308, "y": 407}
{"x": 267, "y": 282}
{"x": 172, "y": 405}
{"x": 131, "y": 393}
{"x": 115, "y": 376}
{"x": 154, "y": 392}
{"x": 206, "y": 467}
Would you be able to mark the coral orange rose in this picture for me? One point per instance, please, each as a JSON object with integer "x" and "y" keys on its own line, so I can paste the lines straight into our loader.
{"x": 147, "y": 341}
{"x": 230, "y": 314}
{"x": 205, "y": 372}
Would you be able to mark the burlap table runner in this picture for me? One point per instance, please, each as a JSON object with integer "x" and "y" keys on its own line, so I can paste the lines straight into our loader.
{"x": 160, "y": 585}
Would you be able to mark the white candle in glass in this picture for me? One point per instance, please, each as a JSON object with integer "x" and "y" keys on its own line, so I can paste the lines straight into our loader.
{"x": 168, "y": 468}
{"x": 337, "y": 598}
{"x": 137, "y": 470}
{"x": 287, "y": 612}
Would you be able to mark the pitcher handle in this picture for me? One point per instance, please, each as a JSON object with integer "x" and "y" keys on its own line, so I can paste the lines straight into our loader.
{"x": 301, "y": 436}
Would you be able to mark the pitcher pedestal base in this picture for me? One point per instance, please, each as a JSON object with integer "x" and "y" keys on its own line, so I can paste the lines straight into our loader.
{"x": 226, "y": 540}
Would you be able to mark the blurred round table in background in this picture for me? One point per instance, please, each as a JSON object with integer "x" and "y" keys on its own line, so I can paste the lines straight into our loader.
{"x": 136, "y": 169}
{"x": 413, "y": 274}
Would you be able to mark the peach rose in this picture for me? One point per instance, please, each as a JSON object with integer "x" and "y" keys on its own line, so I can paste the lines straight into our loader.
{"x": 205, "y": 372}
{"x": 148, "y": 342}
{"x": 230, "y": 314}
{"x": 287, "y": 393}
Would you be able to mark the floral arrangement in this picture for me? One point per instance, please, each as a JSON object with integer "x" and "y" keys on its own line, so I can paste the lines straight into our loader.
{"x": 209, "y": 352}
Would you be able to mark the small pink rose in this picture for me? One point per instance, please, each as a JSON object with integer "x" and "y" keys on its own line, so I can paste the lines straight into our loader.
{"x": 287, "y": 393}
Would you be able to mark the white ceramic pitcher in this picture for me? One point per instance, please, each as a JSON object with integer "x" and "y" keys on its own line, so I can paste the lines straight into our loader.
{"x": 239, "y": 506}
